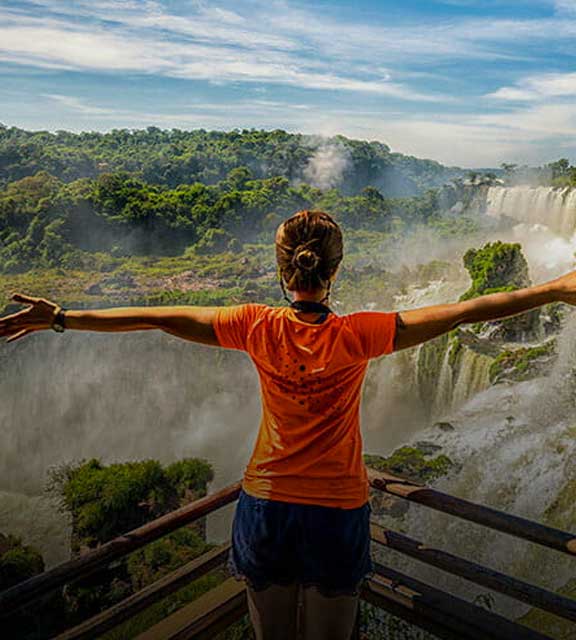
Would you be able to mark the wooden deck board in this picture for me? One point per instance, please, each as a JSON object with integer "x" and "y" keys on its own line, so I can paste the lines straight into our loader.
{"x": 214, "y": 611}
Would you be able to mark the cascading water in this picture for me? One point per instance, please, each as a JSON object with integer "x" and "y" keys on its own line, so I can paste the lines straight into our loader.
{"x": 452, "y": 384}
{"x": 455, "y": 387}
{"x": 123, "y": 397}
{"x": 444, "y": 390}
{"x": 553, "y": 208}
{"x": 515, "y": 446}
{"x": 392, "y": 408}
{"x": 473, "y": 377}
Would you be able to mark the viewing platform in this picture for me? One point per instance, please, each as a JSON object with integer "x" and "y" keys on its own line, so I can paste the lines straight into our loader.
{"x": 443, "y": 614}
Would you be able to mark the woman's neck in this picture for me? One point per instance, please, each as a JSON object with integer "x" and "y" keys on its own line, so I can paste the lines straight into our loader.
{"x": 315, "y": 296}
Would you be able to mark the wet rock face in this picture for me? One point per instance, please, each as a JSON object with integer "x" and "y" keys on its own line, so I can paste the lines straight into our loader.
{"x": 121, "y": 279}
{"x": 500, "y": 267}
{"x": 522, "y": 328}
{"x": 428, "y": 448}
{"x": 497, "y": 265}
{"x": 468, "y": 194}
{"x": 524, "y": 363}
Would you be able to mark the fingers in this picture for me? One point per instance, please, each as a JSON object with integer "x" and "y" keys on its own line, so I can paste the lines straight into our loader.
{"x": 8, "y": 328}
{"x": 24, "y": 299}
{"x": 6, "y": 320}
{"x": 34, "y": 317}
{"x": 18, "y": 335}
{"x": 16, "y": 323}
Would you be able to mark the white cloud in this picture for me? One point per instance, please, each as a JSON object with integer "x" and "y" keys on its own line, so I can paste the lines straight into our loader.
{"x": 539, "y": 87}
{"x": 536, "y": 123}
{"x": 75, "y": 49}
{"x": 535, "y": 135}
{"x": 565, "y": 6}
{"x": 419, "y": 41}
{"x": 77, "y": 104}
{"x": 65, "y": 45}
{"x": 513, "y": 94}
{"x": 256, "y": 42}
{"x": 304, "y": 34}
{"x": 83, "y": 107}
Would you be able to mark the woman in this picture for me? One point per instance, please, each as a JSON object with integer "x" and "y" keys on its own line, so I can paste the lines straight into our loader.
{"x": 301, "y": 528}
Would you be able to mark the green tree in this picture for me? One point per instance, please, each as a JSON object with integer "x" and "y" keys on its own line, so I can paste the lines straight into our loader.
{"x": 107, "y": 501}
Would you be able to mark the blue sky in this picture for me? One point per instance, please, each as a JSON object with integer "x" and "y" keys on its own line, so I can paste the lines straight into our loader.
{"x": 461, "y": 81}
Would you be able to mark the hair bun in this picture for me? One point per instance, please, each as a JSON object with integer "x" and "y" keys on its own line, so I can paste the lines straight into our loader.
{"x": 305, "y": 259}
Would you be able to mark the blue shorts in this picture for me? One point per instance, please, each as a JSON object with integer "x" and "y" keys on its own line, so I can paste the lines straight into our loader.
{"x": 283, "y": 543}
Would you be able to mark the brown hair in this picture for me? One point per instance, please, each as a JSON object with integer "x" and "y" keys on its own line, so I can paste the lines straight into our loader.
{"x": 308, "y": 251}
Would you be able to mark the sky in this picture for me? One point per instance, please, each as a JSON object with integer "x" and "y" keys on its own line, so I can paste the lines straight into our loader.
{"x": 465, "y": 82}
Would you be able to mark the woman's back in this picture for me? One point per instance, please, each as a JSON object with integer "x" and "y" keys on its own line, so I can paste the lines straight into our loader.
{"x": 309, "y": 446}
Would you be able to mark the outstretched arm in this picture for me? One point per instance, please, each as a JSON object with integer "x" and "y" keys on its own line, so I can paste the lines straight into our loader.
{"x": 421, "y": 325}
{"x": 187, "y": 322}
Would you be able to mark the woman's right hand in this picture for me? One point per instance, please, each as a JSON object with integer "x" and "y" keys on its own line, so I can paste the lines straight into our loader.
{"x": 38, "y": 316}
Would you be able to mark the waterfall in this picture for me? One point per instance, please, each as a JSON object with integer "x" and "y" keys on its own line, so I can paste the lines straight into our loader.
{"x": 547, "y": 206}
{"x": 515, "y": 448}
{"x": 443, "y": 398}
{"x": 458, "y": 383}
{"x": 473, "y": 376}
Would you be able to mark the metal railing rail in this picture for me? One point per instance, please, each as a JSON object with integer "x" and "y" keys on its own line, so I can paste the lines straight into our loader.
{"x": 485, "y": 577}
{"x": 513, "y": 525}
{"x": 438, "y": 612}
{"x": 402, "y": 595}
{"x": 26, "y": 592}
{"x": 129, "y": 607}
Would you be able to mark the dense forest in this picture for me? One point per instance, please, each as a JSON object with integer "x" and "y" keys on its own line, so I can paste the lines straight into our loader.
{"x": 560, "y": 173}
{"x": 66, "y": 197}
{"x": 174, "y": 157}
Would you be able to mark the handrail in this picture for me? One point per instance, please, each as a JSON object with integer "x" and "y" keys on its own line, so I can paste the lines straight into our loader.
{"x": 25, "y": 592}
{"x": 203, "y": 618}
{"x": 492, "y": 518}
{"x": 500, "y": 582}
{"x": 441, "y": 613}
{"x": 108, "y": 619}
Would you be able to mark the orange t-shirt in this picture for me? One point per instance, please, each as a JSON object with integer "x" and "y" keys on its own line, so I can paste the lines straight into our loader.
{"x": 309, "y": 446}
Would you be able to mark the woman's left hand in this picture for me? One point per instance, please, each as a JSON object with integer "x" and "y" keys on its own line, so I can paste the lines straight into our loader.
{"x": 566, "y": 288}
{"x": 38, "y": 316}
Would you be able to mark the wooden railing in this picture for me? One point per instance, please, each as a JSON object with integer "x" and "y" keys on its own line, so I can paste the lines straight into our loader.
{"x": 443, "y": 614}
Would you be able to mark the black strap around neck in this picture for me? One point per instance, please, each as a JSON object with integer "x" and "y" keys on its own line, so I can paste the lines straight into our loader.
{"x": 309, "y": 306}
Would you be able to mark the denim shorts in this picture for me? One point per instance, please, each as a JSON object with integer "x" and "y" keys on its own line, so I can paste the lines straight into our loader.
{"x": 284, "y": 543}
